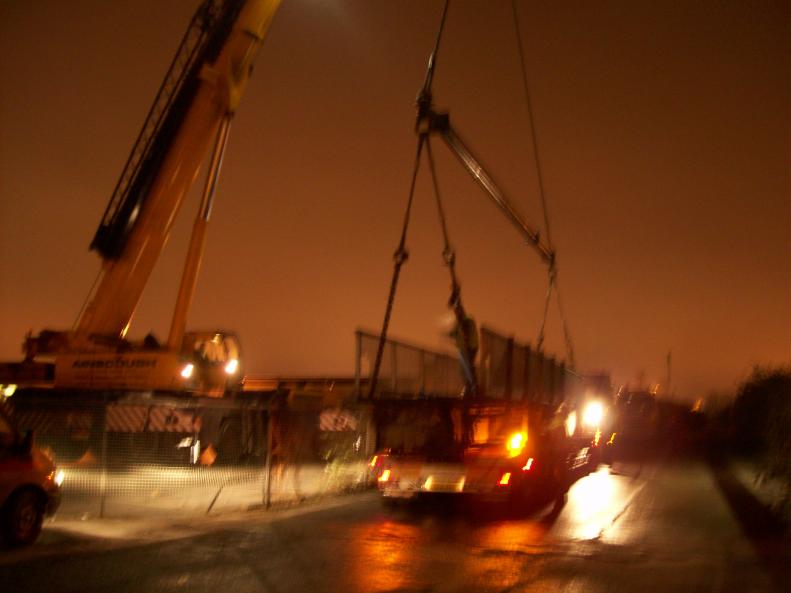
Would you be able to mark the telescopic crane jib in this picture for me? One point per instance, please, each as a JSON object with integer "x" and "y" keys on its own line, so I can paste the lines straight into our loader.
{"x": 192, "y": 111}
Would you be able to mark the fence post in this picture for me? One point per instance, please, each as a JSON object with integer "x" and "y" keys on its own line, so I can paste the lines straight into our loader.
{"x": 526, "y": 394}
{"x": 394, "y": 366}
{"x": 103, "y": 479}
{"x": 268, "y": 463}
{"x": 560, "y": 382}
{"x": 358, "y": 353}
{"x": 509, "y": 369}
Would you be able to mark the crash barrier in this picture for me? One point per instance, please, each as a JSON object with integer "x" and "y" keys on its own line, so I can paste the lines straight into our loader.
{"x": 406, "y": 371}
{"x": 136, "y": 455}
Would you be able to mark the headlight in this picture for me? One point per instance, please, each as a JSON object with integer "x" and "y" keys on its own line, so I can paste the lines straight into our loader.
{"x": 593, "y": 414}
{"x": 570, "y": 423}
{"x": 59, "y": 477}
{"x": 231, "y": 366}
{"x": 187, "y": 370}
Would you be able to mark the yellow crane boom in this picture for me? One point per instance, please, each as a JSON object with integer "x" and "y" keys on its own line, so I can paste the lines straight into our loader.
{"x": 191, "y": 112}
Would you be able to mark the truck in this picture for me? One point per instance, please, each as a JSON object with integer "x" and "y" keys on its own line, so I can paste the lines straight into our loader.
{"x": 533, "y": 427}
{"x": 189, "y": 119}
{"x": 487, "y": 450}
{"x": 635, "y": 419}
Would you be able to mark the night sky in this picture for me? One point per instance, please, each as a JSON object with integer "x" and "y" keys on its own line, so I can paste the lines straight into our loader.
{"x": 663, "y": 133}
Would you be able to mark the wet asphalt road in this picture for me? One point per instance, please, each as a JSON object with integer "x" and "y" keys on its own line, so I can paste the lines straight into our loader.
{"x": 632, "y": 527}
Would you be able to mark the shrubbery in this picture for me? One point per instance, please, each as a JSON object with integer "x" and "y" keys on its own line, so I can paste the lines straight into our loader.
{"x": 762, "y": 418}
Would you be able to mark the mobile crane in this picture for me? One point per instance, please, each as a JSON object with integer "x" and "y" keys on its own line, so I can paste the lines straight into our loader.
{"x": 194, "y": 105}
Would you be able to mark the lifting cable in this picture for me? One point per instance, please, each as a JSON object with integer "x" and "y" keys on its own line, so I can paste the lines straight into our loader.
{"x": 401, "y": 254}
{"x": 449, "y": 256}
{"x": 448, "y": 253}
{"x": 553, "y": 281}
{"x": 399, "y": 258}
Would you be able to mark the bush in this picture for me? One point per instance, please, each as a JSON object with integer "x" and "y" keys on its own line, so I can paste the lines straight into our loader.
{"x": 762, "y": 417}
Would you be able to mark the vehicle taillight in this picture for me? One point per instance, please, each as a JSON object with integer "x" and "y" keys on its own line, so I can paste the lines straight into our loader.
{"x": 505, "y": 478}
{"x": 385, "y": 476}
{"x": 528, "y": 465}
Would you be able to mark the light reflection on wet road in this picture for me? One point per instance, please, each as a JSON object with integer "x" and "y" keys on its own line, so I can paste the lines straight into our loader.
{"x": 595, "y": 503}
{"x": 407, "y": 547}
{"x": 652, "y": 528}
{"x": 632, "y": 527}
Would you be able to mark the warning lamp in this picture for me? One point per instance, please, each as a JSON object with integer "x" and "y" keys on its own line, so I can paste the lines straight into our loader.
{"x": 515, "y": 443}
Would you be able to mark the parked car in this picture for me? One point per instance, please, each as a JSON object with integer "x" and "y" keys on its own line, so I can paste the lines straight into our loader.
{"x": 29, "y": 485}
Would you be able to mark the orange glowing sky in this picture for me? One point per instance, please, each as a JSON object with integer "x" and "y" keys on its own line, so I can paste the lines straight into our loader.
{"x": 664, "y": 138}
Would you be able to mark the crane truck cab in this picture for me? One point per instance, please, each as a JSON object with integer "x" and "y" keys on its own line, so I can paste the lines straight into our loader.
{"x": 207, "y": 363}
